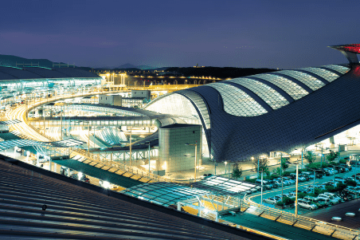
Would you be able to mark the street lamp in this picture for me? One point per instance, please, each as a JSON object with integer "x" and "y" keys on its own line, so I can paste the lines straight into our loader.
{"x": 296, "y": 196}
{"x": 149, "y": 156}
{"x": 225, "y": 167}
{"x": 188, "y": 144}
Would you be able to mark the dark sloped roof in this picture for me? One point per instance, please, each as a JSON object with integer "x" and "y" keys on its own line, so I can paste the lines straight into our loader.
{"x": 75, "y": 72}
{"x": 18, "y": 73}
{"x": 9, "y": 73}
{"x": 77, "y": 210}
{"x": 4, "y": 76}
{"x": 46, "y": 73}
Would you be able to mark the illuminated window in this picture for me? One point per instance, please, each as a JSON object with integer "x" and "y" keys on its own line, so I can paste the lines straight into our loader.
{"x": 237, "y": 102}
{"x": 291, "y": 88}
{"x": 338, "y": 68}
{"x": 327, "y": 75}
{"x": 201, "y": 106}
{"x": 305, "y": 78}
{"x": 274, "y": 99}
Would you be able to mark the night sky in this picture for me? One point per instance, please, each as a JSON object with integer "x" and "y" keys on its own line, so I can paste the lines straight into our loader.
{"x": 276, "y": 34}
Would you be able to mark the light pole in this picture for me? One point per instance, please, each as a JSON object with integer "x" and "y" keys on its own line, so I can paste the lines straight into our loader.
{"x": 225, "y": 167}
{"x": 149, "y": 157}
{"x": 262, "y": 183}
{"x": 296, "y": 193}
{"x": 282, "y": 178}
{"x": 229, "y": 170}
{"x": 130, "y": 146}
{"x": 215, "y": 163}
{"x": 302, "y": 158}
{"x": 188, "y": 144}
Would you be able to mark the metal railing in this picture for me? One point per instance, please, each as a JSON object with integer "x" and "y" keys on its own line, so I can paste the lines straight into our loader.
{"x": 301, "y": 221}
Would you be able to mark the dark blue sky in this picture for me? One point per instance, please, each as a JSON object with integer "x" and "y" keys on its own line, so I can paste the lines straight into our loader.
{"x": 284, "y": 34}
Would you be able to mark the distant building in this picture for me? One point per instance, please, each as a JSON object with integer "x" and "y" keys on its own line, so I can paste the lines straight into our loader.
{"x": 174, "y": 154}
{"x": 141, "y": 94}
{"x": 113, "y": 100}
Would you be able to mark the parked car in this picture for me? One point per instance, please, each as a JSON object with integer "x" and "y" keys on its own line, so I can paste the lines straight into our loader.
{"x": 307, "y": 190}
{"x": 349, "y": 167}
{"x": 323, "y": 201}
{"x": 307, "y": 204}
{"x": 356, "y": 176}
{"x": 276, "y": 183}
{"x": 317, "y": 201}
{"x": 301, "y": 179}
{"x": 292, "y": 194}
{"x": 272, "y": 200}
{"x": 354, "y": 163}
{"x": 306, "y": 176}
{"x": 284, "y": 195}
{"x": 337, "y": 180}
{"x": 325, "y": 172}
{"x": 332, "y": 199}
{"x": 291, "y": 181}
{"x": 354, "y": 190}
{"x": 286, "y": 182}
{"x": 266, "y": 184}
{"x": 349, "y": 179}
{"x": 292, "y": 175}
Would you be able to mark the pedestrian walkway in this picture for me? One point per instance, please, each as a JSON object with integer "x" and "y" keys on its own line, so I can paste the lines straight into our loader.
{"x": 114, "y": 177}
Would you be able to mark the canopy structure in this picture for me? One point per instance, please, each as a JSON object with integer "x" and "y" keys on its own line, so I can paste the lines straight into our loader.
{"x": 25, "y": 143}
{"x": 224, "y": 186}
{"x": 163, "y": 193}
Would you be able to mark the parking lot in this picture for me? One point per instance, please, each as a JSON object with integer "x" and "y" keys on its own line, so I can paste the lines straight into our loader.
{"x": 313, "y": 195}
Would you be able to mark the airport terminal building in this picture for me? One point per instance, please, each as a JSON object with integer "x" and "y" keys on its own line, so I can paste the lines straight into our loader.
{"x": 279, "y": 111}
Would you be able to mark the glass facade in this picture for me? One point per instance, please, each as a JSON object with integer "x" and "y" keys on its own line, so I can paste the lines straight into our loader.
{"x": 338, "y": 68}
{"x": 305, "y": 78}
{"x": 163, "y": 193}
{"x": 327, "y": 75}
{"x": 265, "y": 92}
{"x": 176, "y": 104}
{"x": 237, "y": 102}
{"x": 201, "y": 106}
{"x": 291, "y": 88}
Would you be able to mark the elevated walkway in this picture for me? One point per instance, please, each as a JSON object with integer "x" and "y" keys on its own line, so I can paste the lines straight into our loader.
{"x": 100, "y": 171}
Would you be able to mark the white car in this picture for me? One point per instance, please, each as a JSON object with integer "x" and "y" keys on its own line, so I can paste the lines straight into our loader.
{"x": 323, "y": 201}
{"x": 332, "y": 198}
{"x": 306, "y": 204}
{"x": 272, "y": 200}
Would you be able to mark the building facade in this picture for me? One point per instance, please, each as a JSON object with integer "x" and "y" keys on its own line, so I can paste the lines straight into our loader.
{"x": 279, "y": 111}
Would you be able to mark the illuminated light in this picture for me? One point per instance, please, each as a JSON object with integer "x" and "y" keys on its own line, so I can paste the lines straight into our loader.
{"x": 80, "y": 175}
{"x": 106, "y": 184}
{"x": 354, "y": 48}
{"x": 164, "y": 166}
{"x": 356, "y": 71}
{"x": 205, "y": 211}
